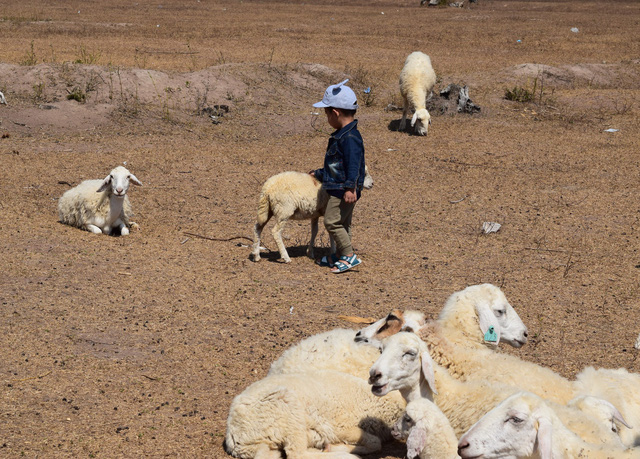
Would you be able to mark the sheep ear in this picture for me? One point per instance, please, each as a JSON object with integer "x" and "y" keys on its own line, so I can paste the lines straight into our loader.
{"x": 105, "y": 184}
{"x": 614, "y": 412}
{"x": 416, "y": 441}
{"x": 544, "y": 437}
{"x": 414, "y": 119}
{"x": 427, "y": 371}
{"x": 135, "y": 180}
{"x": 488, "y": 323}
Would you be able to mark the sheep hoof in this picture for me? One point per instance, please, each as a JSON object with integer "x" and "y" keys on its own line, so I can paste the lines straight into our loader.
{"x": 124, "y": 231}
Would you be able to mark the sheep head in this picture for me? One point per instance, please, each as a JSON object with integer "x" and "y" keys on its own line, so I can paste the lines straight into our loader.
{"x": 477, "y": 308}
{"x": 514, "y": 428}
{"x": 118, "y": 181}
{"x": 396, "y": 321}
{"x": 412, "y": 426}
{"x": 404, "y": 365}
{"x": 421, "y": 121}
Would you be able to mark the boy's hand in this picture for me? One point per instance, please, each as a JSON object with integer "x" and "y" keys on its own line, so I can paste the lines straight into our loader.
{"x": 312, "y": 173}
{"x": 350, "y": 196}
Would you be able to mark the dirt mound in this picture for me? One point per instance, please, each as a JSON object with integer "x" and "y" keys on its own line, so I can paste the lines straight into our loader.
{"x": 601, "y": 75}
{"x": 77, "y": 97}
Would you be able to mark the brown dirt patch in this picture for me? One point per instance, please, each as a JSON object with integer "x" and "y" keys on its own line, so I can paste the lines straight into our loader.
{"x": 135, "y": 346}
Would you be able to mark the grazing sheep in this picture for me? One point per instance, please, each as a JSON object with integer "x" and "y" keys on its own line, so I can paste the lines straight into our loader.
{"x": 416, "y": 83}
{"x": 344, "y": 350}
{"x": 285, "y": 415}
{"x": 523, "y": 425}
{"x": 619, "y": 387}
{"x": 464, "y": 403}
{"x": 292, "y": 196}
{"x": 100, "y": 206}
{"x": 427, "y": 432}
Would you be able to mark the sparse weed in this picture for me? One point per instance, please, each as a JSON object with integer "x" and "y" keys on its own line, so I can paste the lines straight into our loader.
{"x": 86, "y": 57}
{"x": 77, "y": 94}
{"x": 30, "y": 58}
{"x": 518, "y": 94}
{"x": 39, "y": 92}
{"x": 536, "y": 94}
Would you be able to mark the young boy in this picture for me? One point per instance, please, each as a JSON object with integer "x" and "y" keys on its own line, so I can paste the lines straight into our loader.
{"x": 342, "y": 176}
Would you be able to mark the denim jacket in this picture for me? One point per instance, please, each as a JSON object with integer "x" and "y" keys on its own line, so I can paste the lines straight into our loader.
{"x": 343, "y": 161}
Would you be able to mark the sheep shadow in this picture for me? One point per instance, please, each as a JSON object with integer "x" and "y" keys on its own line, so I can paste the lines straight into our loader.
{"x": 394, "y": 125}
{"x": 390, "y": 447}
{"x": 273, "y": 256}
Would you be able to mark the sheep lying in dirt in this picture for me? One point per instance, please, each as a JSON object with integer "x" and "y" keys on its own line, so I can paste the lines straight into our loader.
{"x": 100, "y": 206}
{"x": 417, "y": 80}
{"x": 458, "y": 342}
{"x": 405, "y": 365}
{"x": 427, "y": 432}
{"x": 343, "y": 349}
{"x": 523, "y": 426}
{"x": 622, "y": 389}
{"x": 292, "y": 196}
{"x": 285, "y": 415}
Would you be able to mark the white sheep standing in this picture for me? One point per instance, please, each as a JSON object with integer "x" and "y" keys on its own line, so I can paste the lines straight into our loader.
{"x": 427, "y": 432}
{"x": 405, "y": 365}
{"x": 292, "y": 196}
{"x": 100, "y": 206}
{"x": 285, "y": 415}
{"x": 525, "y": 425}
{"x": 417, "y": 80}
{"x": 343, "y": 349}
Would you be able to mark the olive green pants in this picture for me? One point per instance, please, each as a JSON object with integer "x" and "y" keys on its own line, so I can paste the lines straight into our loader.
{"x": 337, "y": 221}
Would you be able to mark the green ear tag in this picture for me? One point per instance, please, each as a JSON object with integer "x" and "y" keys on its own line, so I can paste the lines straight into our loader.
{"x": 491, "y": 336}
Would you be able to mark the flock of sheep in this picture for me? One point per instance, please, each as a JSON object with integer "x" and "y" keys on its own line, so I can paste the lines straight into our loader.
{"x": 442, "y": 386}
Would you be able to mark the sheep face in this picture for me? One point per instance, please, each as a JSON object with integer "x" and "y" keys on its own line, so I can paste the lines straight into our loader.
{"x": 421, "y": 121}
{"x": 396, "y": 321}
{"x": 491, "y": 308}
{"x": 403, "y": 362}
{"x": 509, "y": 431}
{"x": 118, "y": 181}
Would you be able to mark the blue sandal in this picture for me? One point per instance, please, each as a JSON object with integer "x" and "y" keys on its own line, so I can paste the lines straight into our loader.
{"x": 345, "y": 263}
{"x": 328, "y": 261}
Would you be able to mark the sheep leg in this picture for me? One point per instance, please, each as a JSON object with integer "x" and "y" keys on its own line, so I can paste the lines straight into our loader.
{"x": 405, "y": 111}
{"x": 277, "y": 235}
{"x": 122, "y": 227}
{"x": 255, "y": 250}
{"x": 357, "y": 441}
{"x": 314, "y": 233}
{"x": 93, "y": 228}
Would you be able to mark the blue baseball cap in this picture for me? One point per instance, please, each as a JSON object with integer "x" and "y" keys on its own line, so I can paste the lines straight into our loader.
{"x": 339, "y": 96}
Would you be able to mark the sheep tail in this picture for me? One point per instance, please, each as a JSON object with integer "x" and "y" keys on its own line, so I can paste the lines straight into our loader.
{"x": 264, "y": 209}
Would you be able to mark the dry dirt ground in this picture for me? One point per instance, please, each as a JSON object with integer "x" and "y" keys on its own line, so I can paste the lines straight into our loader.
{"x": 135, "y": 346}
